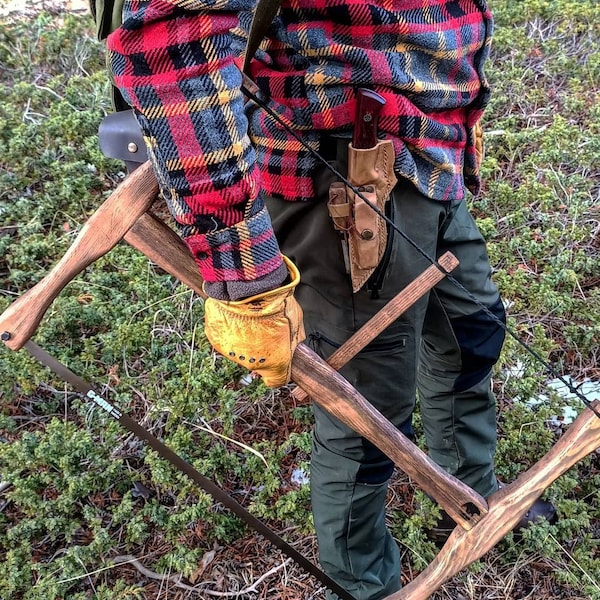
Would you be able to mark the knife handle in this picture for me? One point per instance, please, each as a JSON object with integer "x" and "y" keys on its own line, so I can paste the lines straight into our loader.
{"x": 368, "y": 107}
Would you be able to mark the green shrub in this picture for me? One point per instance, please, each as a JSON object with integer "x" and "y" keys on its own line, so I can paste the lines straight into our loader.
{"x": 82, "y": 491}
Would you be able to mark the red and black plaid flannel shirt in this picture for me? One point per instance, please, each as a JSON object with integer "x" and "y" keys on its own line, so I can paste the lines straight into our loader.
{"x": 176, "y": 62}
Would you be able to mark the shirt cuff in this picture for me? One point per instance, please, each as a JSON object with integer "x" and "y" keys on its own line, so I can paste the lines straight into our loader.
{"x": 244, "y": 252}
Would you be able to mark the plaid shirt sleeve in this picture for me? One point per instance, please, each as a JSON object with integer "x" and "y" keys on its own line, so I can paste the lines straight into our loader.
{"x": 173, "y": 62}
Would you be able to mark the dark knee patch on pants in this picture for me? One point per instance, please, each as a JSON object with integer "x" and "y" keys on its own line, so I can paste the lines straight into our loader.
{"x": 377, "y": 468}
{"x": 480, "y": 339}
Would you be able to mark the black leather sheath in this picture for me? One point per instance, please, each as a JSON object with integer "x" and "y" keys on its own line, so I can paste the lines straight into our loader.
{"x": 120, "y": 137}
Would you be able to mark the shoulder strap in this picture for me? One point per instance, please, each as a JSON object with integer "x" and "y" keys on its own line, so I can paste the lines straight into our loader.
{"x": 264, "y": 13}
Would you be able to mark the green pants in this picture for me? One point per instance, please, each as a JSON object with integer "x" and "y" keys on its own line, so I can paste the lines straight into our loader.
{"x": 442, "y": 351}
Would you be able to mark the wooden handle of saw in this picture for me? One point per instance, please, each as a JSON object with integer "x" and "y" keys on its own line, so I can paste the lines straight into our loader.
{"x": 162, "y": 245}
{"x": 103, "y": 230}
{"x": 150, "y": 236}
{"x": 506, "y": 507}
{"x": 157, "y": 241}
{"x": 339, "y": 398}
{"x": 387, "y": 315}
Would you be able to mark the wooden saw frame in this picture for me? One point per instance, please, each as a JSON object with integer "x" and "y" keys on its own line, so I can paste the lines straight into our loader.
{"x": 481, "y": 523}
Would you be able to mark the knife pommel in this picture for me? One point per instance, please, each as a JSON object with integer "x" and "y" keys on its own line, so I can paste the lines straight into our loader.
{"x": 368, "y": 107}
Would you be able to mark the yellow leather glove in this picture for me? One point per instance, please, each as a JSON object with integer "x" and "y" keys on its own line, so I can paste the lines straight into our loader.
{"x": 260, "y": 332}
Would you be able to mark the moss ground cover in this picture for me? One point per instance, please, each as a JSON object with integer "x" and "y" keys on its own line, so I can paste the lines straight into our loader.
{"x": 86, "y": 511}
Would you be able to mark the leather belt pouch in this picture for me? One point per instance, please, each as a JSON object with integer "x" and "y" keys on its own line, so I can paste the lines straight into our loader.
{"x": 371, "y": 171}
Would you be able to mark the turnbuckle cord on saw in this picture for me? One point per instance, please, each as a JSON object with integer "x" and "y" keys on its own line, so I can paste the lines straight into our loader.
{"x": 536, "y": 355}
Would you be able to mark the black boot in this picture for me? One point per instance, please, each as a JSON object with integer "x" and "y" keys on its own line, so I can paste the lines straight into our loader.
{"x": 440, "y": 532}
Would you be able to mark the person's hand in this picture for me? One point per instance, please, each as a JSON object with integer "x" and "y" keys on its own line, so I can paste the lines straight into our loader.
{"x": 260, "y": 332}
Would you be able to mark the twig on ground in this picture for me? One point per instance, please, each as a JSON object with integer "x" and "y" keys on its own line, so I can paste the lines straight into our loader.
{"x": 176, "y": 579}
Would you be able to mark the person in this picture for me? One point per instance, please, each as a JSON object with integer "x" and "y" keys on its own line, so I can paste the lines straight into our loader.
{"x": 251, "y": 203}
